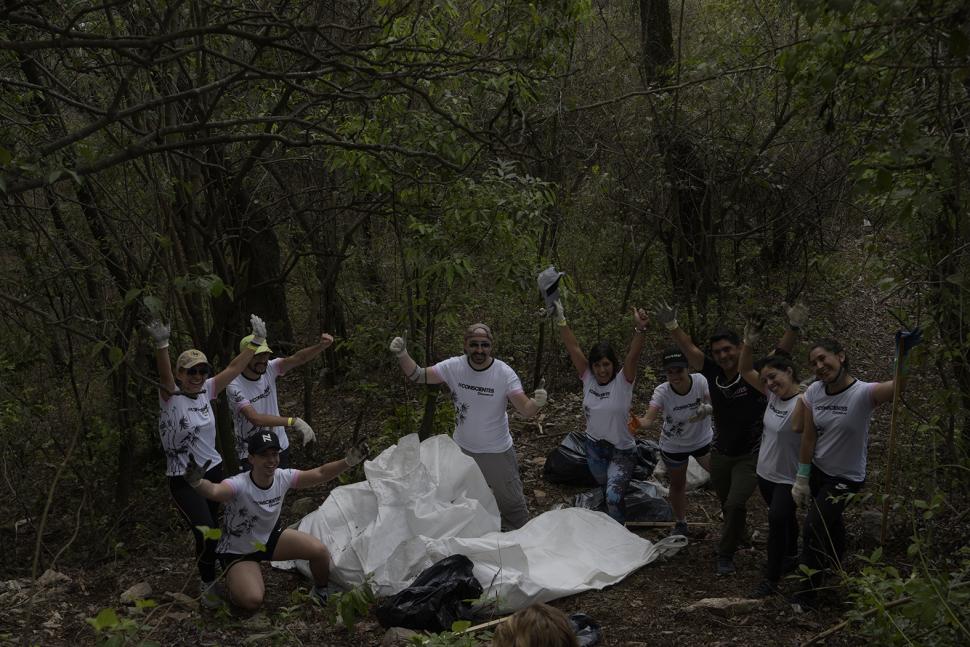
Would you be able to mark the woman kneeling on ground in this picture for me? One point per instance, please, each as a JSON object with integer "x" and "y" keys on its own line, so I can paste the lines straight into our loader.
{"x": 611, "y": 450}
{"x": 684, "y": 402}
{"x": 251, "y": 530}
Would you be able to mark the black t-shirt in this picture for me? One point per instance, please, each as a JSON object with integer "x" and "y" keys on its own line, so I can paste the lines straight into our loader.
{"x": 739, "y": 411}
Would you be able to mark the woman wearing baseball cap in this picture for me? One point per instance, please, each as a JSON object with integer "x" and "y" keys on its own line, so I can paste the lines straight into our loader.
{"x": 187, "y": 425}
{"x": 684, "y": 402}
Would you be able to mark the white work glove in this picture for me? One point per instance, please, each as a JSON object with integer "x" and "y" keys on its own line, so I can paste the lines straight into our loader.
{"x": 797, "y": 315}
{"x": 752, "y": 330}
{"x": 194, "y": 473}
{"x": 306, "y": 432}
{"x": 159, "y": 332}
{"x": 397, "y": 346}
{"x": 259, "y": 330}
{"x": 801, "y": 492}
{"x": 666, "y": 314}
{"x": 704, "y": 409}
{"x": 559, "y": 316}
{"x": 540, "y": 397}
{"x": 357, "y": 453}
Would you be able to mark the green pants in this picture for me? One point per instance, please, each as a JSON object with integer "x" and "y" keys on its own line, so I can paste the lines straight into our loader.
{"x": 734, "y": 478}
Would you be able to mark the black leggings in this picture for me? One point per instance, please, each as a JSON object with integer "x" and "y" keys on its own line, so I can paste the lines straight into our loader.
{"x": 199, "y": 511}
{"x": 823, "y": 545}
{"x": 782, "y": 527}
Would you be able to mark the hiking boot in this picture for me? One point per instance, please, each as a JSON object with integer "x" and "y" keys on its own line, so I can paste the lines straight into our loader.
{"x": 725, "y": 565}
{"x": 767, "y": 588}
{"x": 210, "y": 595}
{"x": 680, "y": 528}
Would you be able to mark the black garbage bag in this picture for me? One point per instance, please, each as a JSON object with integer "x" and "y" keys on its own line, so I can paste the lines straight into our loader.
{"x": 436, "y": 599}
{"x": 642, "y": 502}
{"x": 587, "y": 630}
{"x": 567, "y": 462}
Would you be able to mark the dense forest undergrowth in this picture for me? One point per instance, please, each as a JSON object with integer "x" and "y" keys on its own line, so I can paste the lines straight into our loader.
{"x": 404, "y": 167}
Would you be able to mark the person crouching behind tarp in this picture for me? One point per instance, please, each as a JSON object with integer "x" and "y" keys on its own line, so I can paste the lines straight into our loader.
{"x": 251, "y": 530}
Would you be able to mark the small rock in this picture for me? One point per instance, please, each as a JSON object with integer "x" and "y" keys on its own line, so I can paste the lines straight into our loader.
{"x": 51, "y": 579}
{"x": 725, "y": 607}
{"x": 397, "y": 636}
{"x": 139, "y": 591}
{"x": 304, "y": 506}
{"x": 539, "y": 495}
{"x": 538, "y": 460}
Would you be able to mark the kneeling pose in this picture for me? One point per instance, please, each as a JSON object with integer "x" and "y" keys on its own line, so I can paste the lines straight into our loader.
{"x": 251, "y": 530}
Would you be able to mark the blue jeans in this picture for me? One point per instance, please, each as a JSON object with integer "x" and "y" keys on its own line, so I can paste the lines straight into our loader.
{"x": 612, "y": 468}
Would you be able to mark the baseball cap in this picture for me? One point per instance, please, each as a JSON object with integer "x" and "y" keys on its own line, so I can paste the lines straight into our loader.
{"x": 478, "y": 330}
{"x": 674, "y": 358}
{"x": 261, "y": 441}
{"x": 248, "y": 338}
{"x": 191, "y": 358}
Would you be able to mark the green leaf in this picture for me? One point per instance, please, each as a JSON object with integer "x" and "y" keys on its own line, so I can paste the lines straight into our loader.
{"x": 209, "y": 533}
{"x": 106, "y": 619}
{"x": 459, "y": 626}
{"x": 132, "y": 294}
{"x": 55, "y": 175}
{"x": 115, "y": 356}
{"x": 153, "y": 305}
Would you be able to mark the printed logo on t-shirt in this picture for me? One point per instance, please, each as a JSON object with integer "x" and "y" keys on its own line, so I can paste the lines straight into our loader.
{"x": 461, "y": 410}
{"x": 204, "y": 409}
{"x": 837, "y": 409}
{"x": 480, "y": 390}
{"x": 599, "y": 394}
{"x": 781, "y": 413}
{"x": 690, "y": 405}
{"x": 674, "y": 429}
{"x": 264, "y": 394}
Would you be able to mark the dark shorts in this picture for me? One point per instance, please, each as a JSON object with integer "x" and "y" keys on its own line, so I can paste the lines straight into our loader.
{"x": 678, "y": 459}
{"x": 228, "y": 559}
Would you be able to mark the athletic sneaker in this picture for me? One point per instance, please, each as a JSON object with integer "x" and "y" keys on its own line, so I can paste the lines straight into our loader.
{"x": 210, "y": 595}
{"x": 680, "y": 528}
{"x": 766, "y": 589}
{"x": 725, "y": 565}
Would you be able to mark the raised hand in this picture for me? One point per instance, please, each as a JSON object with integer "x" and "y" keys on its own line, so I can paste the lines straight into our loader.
{"x": 666, "y": 314}
{"x": 704, "y": 409}
{"x": 797, "y": 315}
{"x": 194, "y": 473}
{"x": 259, "y": 330}
{"x": 752, "y": 330}
{"x": 640, "y": 319}
{"x": 397, "y": 346}
{"x": 159, "y": 332}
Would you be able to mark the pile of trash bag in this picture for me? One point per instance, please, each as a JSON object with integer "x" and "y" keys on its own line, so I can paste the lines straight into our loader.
{"x": 567, "y": 464}
{"x": 438, "y": 597}
{"x": 643, "y": 501}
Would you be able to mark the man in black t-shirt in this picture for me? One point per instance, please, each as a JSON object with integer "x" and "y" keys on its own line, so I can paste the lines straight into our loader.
{"x": 738, "y": 418}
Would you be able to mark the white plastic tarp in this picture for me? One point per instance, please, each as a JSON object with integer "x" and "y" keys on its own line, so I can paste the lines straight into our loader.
{"x": 422, "y": 502}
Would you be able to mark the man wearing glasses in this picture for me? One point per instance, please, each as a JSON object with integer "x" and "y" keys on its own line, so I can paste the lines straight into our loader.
{"x": 480, "y": 388}
{"x": 738, "y": 420}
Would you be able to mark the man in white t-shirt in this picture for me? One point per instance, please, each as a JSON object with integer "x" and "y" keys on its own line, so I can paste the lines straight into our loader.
{"x": 251, "y": 530}
{"x": 481, "y": 388}
{"x": 253, "y": 399}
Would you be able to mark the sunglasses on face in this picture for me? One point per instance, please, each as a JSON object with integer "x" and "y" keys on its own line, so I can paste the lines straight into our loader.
{"x": 480, "y": 344}
{"x": 197, "y": 371}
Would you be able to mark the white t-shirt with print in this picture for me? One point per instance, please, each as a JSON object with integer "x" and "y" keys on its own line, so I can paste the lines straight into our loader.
{"x": 678, "y": 435}
{"x": 842, "y": 428}
{"x": 778, "y": 456}
{"x": 607, "y": 409}
{"x": 252, "y": 513}
{"x": 481, "y": 403}
{"x": 260, "y": 394}
{"x": 187, "y": 425}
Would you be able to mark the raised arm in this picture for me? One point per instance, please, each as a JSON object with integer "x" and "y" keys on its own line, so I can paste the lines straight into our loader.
{"x": 667, "y": 315}
{"x": 906, "y": 340}
{"x": 160, "y": 334}
{"x": 304, "y": 355}
{"x": 410, "y": 368}
{"x": 526, "y": 406}
{"x": 797, "y": 315}
{"x": 646, "y": 421}
{"x": 194, "y": 475}
{"x": 222, "y": 379}
{"x": 569, "y": 340}
{"x": 333, "y": 469}
{"x": 752, "y": 330}
{"x": 632, "y": 361}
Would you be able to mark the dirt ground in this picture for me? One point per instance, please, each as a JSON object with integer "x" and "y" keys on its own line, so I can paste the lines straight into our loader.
{"x": 644, "y": 609}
